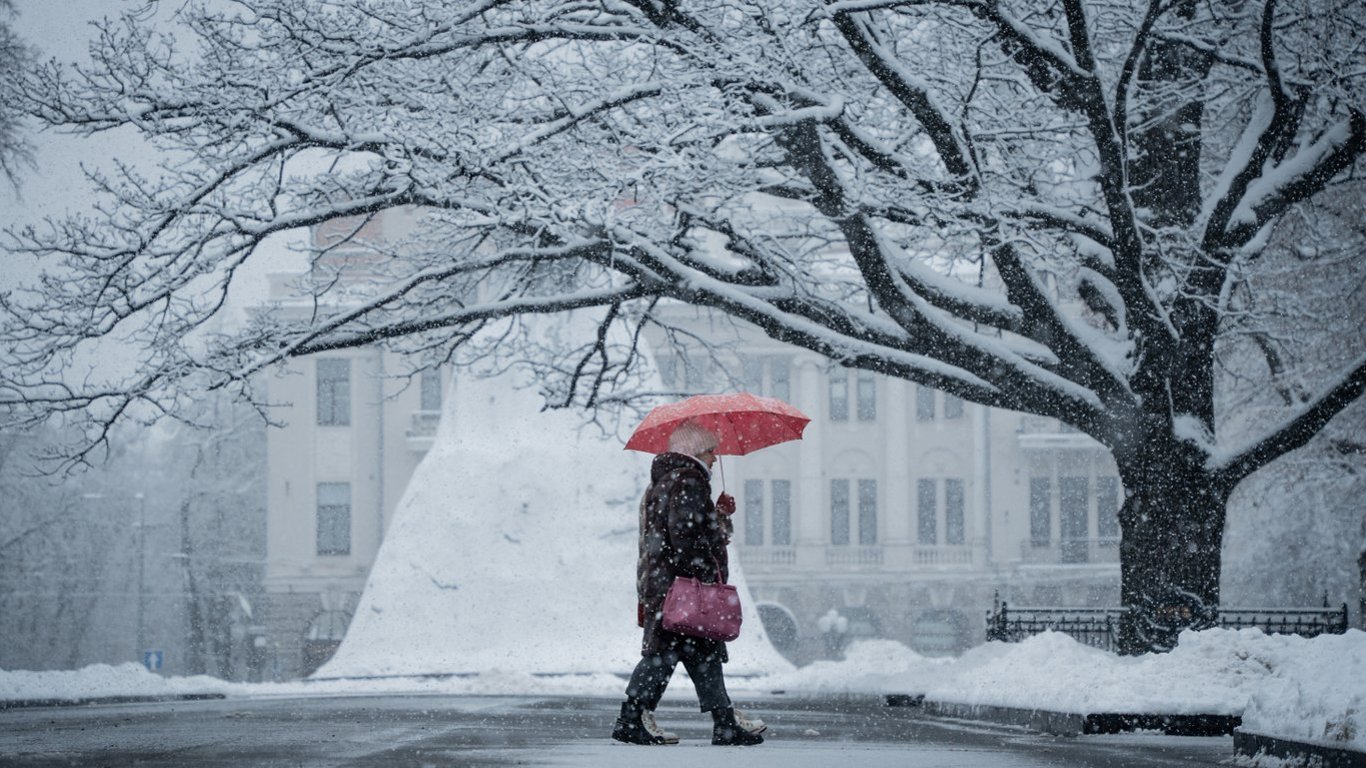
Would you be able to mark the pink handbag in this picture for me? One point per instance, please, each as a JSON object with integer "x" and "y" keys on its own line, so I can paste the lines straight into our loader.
{"x": 697, "y": 609}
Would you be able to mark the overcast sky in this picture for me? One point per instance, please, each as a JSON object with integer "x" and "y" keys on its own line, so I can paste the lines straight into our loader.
{"x": 56, "y": 29}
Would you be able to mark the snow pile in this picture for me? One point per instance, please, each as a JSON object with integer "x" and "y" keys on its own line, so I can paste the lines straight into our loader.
{"x": 1315, "y": 691}
{"x": 103, "y": 680}
{"x": 1211, "y": 672}
{"x": 513, "y": 551}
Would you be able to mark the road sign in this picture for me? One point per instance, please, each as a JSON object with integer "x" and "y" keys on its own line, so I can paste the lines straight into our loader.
{"x": 152, "y": 660}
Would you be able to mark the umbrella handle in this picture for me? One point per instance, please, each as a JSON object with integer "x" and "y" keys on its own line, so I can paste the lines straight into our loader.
{"x": 722, "y": 467}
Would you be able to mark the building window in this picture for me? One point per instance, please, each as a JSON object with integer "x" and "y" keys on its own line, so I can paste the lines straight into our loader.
{"x": 778, "y": 510}
{"x": 1107, "y": 509}
{"x": 754, "y": 512}
{"x": 781, "y": 372}
{"x": 867, "y": 396}
{"x": 924, "y": 403}
{"x": 752, "y": 369}
{"x": 694, "y": 373}
{"x": 953, "y": 406}
{"x": 777, "y": 384}
{"x": 1040, "y": 512}
{"x": 1075, "y": 523}
{"x": 431, "y": 390}
{"x": 782, "y": 513}
{"x": 334, "y": 518}
{"x": 867, "y": 512}
{"x": 955, "y": 526}
{"x": 926, "y": 510}
{"x": 839, "y": 511}
{"x": 334, "y": 391}
{"x": 683, "y": 372}
{"x": 668, "y": 371}
{"x": 839, "y": 396}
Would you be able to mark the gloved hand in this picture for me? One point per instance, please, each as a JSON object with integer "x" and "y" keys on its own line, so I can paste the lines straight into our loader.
{"x": 725, "y": 504}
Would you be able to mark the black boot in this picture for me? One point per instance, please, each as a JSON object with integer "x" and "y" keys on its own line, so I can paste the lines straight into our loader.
{"x": 630, "y": 729}
{"x": 726, "y": 732}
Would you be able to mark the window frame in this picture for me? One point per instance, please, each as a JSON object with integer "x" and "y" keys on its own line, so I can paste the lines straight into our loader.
{"x": 924, "y": 403}
{"x": 332, "y": 391}
{"x": 867, "y": 512}
{"x": 1040, "y": 511}
{"x": 839, "y": 512}
{"x": 839, "y": 397}
{"x": 333, "y": 520}
{"x": 955, "y": 511}
{"x": 927, "y": 512}
{"x": 754, "y": 513}
{"x": 430, "y": 393}
{"x": 785, "y": 540}
{"x": 865, "y": 387}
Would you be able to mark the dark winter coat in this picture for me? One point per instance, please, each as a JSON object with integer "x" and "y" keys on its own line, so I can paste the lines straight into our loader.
{"x": 681, "y": 534}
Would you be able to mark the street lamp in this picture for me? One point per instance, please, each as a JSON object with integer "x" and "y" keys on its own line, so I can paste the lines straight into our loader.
{"x": 142, "y": 563}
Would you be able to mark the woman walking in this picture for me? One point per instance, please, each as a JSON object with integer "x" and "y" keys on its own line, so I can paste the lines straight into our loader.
{"x": 682, "y": 533}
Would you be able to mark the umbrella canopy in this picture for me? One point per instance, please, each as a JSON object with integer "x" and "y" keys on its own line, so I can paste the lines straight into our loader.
{"x": 741, "y": 421}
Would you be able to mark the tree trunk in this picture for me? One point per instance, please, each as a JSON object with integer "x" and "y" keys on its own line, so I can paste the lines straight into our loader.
{"x": 1170, "y": 556}
{"x": 1361, "y": 594}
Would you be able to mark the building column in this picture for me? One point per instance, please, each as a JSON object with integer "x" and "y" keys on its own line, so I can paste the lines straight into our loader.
{"x": 809, "y": 504}
{"x": 896, "y": 470}
{"x": 981, "y": 496}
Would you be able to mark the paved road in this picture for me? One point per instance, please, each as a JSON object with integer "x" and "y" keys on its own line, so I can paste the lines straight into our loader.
{"x": 470, "y": 731}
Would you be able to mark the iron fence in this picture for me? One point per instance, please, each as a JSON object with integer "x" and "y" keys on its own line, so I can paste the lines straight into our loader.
{"x": 1099, "y": 627}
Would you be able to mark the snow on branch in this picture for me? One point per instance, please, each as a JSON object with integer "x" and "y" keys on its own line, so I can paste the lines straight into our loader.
{"x": 911, "y": 91}
{"x": 1295, "y": 428}
{"x": 1295, "y": 179}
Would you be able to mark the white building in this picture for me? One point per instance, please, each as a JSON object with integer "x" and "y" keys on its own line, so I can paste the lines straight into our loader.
{"x": 355, "y": 428}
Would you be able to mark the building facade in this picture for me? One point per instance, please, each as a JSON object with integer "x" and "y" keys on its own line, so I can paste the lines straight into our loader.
{"x": 336, "y": 471}
{"x": 355, "y": 425}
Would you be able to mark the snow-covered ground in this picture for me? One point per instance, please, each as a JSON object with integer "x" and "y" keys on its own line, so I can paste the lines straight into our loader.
{"x": 1309, "y": 690}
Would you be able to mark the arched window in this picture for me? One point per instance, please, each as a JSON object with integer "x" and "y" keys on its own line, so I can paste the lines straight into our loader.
{"x": 324, "y": 636}
{"x": 780, "y": 625}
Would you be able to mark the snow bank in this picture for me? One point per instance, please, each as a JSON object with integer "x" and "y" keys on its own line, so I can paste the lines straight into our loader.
{"x": 1310, "y": 690}
{"x": 1315, "y": 690}
{"x": 1207, "y": 673}
{"x": 513, "y": 550}
{"x": 103, "y": 680}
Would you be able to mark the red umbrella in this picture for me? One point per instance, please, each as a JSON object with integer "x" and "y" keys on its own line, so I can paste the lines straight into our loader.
{"x": 741, "y": 421}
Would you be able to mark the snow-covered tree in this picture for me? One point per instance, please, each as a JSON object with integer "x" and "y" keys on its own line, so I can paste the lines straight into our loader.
{"x": 1063, "y": 208}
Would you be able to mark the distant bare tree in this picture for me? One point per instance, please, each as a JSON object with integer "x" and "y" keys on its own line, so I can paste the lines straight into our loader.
{"x": 1065, "y": 208}
{"x": 76, "y": 568}
{"x": 221, "y": 517}
{"x": 56, "y": 548}
{"x": 15, "y": 57}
